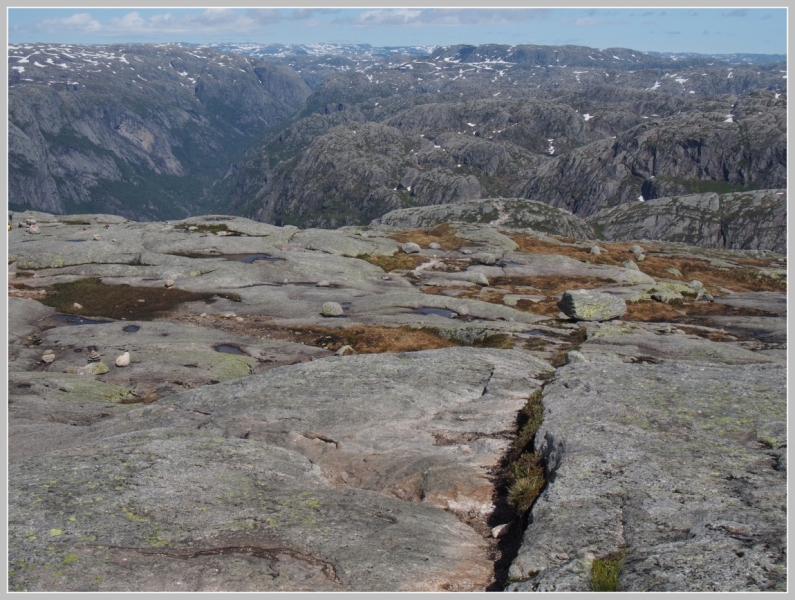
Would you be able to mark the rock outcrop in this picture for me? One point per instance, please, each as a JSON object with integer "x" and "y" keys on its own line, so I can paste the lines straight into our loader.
{"x": 754, "y": 220}
{"x": 222, "y": 434}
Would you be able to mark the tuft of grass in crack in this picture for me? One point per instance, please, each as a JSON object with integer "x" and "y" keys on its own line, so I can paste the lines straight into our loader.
{"x": 605, "y": 571}
{"x": 525, "y": 469}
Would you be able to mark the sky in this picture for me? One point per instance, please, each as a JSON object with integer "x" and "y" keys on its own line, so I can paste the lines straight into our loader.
{"x": 702, "y": 30}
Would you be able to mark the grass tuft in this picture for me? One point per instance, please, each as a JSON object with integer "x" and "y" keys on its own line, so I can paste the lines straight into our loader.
{"x": 605, "y": 572}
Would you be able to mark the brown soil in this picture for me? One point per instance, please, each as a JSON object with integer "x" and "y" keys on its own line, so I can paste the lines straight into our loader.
{"x": 551, "y": 284}
{"x": 365, "y": 339}
{"x": 121, "y": 301}
{"x": 400, "y": 260}
{"x": 736, "y": 279}
{"x": 443, "y": 234}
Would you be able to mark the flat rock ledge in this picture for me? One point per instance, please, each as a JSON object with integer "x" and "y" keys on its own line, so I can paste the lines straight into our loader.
{"x": 680, "y": 467}
{"x": 299, "y": 478}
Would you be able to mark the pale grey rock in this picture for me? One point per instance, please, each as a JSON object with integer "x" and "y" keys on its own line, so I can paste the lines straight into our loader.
{"x": 695, "y": 285}
{"x": 478, "y": 279}
{"x": 635, "y": 249}
{"x": 596, "y": 250}
{"x": 345, "y": 351}
{"x": 123, "y": 360}
{"x": 410, "y": 248}
{"x": 589, "y": 305}
{"x": 630, "y": 264}
{"x": 575, "y": 356}
{"x": 331, "y": 309}
{"x": 666, "y": 296}
{"x": 434, "y": 246}
{"x": 697, "y": 507}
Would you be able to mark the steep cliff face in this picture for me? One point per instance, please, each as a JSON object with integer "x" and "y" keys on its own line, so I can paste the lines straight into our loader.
{"x": 134, "y": 130}
{"x": 754, "y": 220}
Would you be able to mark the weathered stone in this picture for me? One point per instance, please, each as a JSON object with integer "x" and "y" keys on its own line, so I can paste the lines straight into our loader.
{"x": 434, "y": 246}
{"x": 596, "y": 250}
{"x": 123, "y": 360}
{"x": 323, "y": 283}
{"x": 478, "y": 279}
{"x": 588, "y": 305}
{"x": 695, "y": 507}
{"x": 331, "y": 309}
{"x": 345, "y": 351}
{"x": 575, "y": 356}
{"x": 635, "y": 249}
{"x": 695, "y": 285}
{"x": 410, "y": 248}
{"x": 640, "y": 257}
{"x": 169, "y": 283}
{"x": 666, "y": 296}
{"x": 34, "y": 229}
{"x": 630, "y": 264}
{"x": 674, "y": 271}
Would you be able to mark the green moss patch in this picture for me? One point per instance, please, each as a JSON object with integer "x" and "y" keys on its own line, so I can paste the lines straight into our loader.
{"x": 605, "y": 572}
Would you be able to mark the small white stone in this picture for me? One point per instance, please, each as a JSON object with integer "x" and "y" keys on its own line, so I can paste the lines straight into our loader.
{"x": 123, "y": 360}
{"x": 239, "y": 319}
{"x": 500, "y": 530}
{"x": 230, "y": 315}
{"x": 202, "y": 315}
{"x": 77, "y": 306}
{"x": 169, "y": 283}
{"x": 323, "y": 283}
{"x": 97, "y": 237}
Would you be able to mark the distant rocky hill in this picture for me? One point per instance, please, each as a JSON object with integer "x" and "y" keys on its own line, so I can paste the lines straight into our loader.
{"x": 135, "y": 130}
{"x": 326, "y": 136}
{"x": 748, "y": 220}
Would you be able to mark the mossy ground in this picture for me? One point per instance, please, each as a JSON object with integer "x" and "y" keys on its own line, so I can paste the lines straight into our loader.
{"x": 120, "y": 301}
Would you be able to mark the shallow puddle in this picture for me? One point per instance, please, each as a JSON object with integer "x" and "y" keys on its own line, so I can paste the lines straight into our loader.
{"x": 131, "y": 328}
{"x": 75, "y": 320}
{"x": 229, "y": 349}
{"x": 441, "y": 312}
{"x": 250, "y": 258}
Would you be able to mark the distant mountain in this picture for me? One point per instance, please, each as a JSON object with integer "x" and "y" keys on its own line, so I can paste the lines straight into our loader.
{"x": 136, "y": 130}
{"x": 326, "y": 135}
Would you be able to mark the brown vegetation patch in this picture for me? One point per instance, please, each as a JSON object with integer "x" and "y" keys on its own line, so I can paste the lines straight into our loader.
{"x": 551, "y": 284}
{"x": 121, "y": 301}
{"x": 443, "y": 234}
{"x": 367, "y": 339}
{"x": 737, "y": 279}
{"x": 712, "y": 336}
{"x": 651, "y": 311}
{"x": 616, "y": 253}
{"x": 399, "y": 260}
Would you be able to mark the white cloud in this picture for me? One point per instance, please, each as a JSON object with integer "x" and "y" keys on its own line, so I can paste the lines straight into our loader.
{"x": 588, "y": 22}
{"x": 446, "y": 17}
{"x": 212, "y": 21}
{"x": 77, "y": 23}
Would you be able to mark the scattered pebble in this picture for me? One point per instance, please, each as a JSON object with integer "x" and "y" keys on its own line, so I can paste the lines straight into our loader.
{"x": 97, "y": 237}
{"x": 596, "y": 250}
{"x": 201, "y": 316}
{"x": 34, "y": 229}
{"x": 479, "y": 279}
{"x": 323, "y": 283}
{"x": 114, "y": 240}
{"x": 500, "y": 530}
{"x": 239, "y": 319}
{"x": 141, "y": 300}
{"x": 229, "y": 315}
{"x": 48, "y": 357}
{"x": 77, "y": 306}
{"x": 169, "y": 283}
{"x": 434, "y": 246}
{"x": 93, "y": 356}
{"x": 123, "y": 360}
{"x": 345, "y": 351}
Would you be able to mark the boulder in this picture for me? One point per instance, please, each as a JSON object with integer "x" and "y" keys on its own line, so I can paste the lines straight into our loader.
{"x": 410, "y": 248}
{"x": 434, "y": 246}
{"x": 588, "y": 305}
{"x": 123, "y": 360}
{"x": 331, "y": 309}
{"x": 666, "y": 296}
{"x": 478, "y": 278}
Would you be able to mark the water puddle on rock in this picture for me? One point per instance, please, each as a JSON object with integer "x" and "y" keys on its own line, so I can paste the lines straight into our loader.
{"x": 510, "y": 263}
{"x": 229, "y": 349}
{"x": 250, "y": 258}
{"x": 131, "y": 328}
{"x": 440, "y": 312}
{"x": 76, "y": 320}
{"x": 75, "y": 240}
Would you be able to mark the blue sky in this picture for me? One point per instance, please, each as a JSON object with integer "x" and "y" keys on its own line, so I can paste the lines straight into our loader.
{"x": 704, "y": 30}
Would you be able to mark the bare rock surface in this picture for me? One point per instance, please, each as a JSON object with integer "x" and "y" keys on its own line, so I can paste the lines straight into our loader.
{"x": 678, "y": 466}
{"x": 253, "y": 444}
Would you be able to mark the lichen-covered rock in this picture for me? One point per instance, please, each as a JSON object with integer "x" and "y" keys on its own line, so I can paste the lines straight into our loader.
{"x": 588, "y": 305}
{"x": 331, "y": 309}
{"x": 670, "y": 464}
{"x": 410, "y": 248}
{"x": 478, "y": 279}
{"x": 666, "y": 296}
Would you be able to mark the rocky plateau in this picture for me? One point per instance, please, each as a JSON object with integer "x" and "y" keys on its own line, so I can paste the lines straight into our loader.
{"x": 429, "y": 402}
